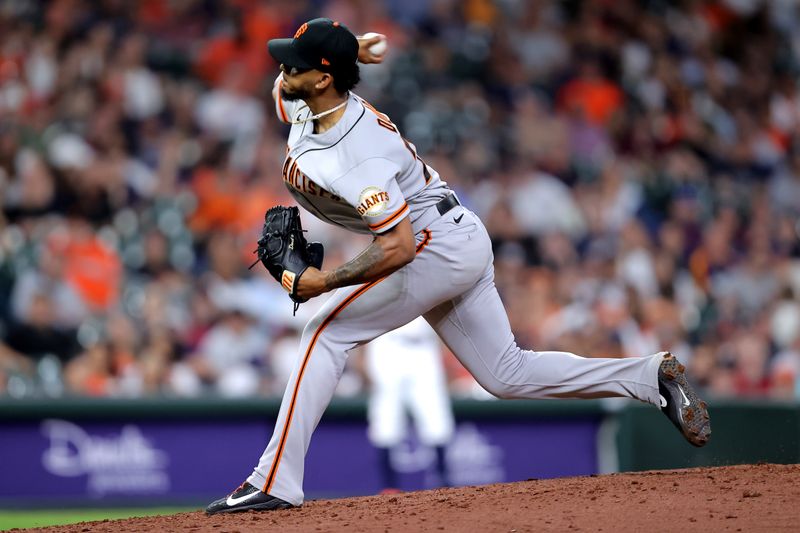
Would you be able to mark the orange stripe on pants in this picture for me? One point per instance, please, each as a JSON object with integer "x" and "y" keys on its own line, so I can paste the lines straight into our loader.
{"x": 273, "y": 470}
{"x": 350, "y": 299}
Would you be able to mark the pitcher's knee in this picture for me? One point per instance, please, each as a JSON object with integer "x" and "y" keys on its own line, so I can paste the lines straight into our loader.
{"x": 311, "y": 327}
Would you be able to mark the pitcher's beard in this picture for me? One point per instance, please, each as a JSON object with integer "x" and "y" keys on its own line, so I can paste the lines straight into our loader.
{"x": 298, "y": 94}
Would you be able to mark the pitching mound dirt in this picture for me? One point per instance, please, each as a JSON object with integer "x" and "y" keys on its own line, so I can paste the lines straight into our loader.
{"x": 736, "y": 498}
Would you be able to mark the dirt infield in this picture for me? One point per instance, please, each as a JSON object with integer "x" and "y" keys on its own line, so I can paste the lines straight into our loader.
{"x": 736, "y": 498}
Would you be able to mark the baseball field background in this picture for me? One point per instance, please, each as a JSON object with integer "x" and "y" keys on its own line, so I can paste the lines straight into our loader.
{"x": 637, "y": 166}
{"x": 95, "y": 460}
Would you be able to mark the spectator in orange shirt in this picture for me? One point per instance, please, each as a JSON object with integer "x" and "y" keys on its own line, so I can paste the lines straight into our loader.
{"x": 591, "y": 95}
{"x": 91, "y": 267}
{"x": 242, "y": 47}
{"x": 220, "y": 193}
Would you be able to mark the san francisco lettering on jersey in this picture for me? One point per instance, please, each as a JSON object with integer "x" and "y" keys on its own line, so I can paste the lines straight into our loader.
{"x": 295, "y": 179}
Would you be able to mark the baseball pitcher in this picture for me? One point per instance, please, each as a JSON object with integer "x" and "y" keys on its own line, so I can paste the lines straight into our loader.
{"x": 348, "y": 164}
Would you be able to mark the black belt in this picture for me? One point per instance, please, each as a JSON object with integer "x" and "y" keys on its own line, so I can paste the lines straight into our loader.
{"x": 447, "y": 203}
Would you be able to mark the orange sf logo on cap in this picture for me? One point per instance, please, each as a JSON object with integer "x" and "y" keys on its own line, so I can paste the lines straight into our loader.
{"x": 301, "y": 30}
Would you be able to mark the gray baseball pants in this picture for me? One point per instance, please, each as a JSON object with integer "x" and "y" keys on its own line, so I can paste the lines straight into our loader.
{"x": 450, "y": 283}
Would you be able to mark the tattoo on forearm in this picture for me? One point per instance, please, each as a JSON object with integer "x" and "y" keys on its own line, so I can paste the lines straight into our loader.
{"x": 354, "y": 271}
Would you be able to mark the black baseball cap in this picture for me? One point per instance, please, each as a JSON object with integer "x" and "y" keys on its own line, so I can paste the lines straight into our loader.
{"x": 320, "y": 44}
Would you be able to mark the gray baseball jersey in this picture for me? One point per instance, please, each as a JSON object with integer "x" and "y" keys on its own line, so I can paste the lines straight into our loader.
{"x": 363, "y": 176}
{"x": 335, "y": 178}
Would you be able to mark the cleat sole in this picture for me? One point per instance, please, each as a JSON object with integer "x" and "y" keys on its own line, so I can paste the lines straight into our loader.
{"x": 693, "y": 419}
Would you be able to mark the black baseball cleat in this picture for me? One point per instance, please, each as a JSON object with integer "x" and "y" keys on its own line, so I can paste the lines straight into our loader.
{"x": 246, "y": 498}
{"x": 680, "y": 402}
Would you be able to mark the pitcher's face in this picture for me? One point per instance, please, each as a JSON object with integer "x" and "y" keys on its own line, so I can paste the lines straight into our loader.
{"x": 298, "y": 84}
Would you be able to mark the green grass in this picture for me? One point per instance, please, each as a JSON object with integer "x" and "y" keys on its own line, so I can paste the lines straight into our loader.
{"x": 53, "y": 517}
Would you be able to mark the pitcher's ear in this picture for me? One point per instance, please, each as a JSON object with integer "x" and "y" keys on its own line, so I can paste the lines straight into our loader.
{"x": 324, "y": 81}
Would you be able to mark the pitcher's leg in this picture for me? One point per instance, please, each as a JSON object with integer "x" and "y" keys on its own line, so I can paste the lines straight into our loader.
{"x": 352, "y": 316}
{"x": 320, "y": 362}
{"x": 476, "y": 329}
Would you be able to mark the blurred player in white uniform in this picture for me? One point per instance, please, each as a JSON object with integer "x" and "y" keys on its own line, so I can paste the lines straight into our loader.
{"x": 349, "y": 165}
{"x": 405, "y": 369}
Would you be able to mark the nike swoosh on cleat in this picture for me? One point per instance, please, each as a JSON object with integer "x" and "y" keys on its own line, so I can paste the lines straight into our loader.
{"x": 458, "y": 218}
{"x": 231, "y": 501}
{"x": 662, "y": 400}
{"x": 686, "y": 401}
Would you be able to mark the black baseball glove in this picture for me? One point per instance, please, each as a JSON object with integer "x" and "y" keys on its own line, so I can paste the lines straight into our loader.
{"x": 284, "y": 251}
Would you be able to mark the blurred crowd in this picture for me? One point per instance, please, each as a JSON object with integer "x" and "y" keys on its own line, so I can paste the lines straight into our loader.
{"x": 636, "y": 162}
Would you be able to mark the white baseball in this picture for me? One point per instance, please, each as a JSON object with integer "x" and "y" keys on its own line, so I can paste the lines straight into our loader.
{"x": 379, "y": 48}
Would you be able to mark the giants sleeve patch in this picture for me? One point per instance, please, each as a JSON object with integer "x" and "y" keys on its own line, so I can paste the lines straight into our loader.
{"x": 372, "y": 202}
